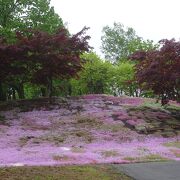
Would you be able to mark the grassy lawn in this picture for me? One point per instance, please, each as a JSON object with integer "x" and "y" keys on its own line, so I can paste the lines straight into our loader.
{"x": 175, "y": 144}
{"x": 99, "y": 172}
{"x": 148, "y": 158}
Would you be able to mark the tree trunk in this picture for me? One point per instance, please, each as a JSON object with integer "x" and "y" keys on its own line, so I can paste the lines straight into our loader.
{"x": 20, "y": 91}
{"x": 43, "y": 92}
{"x": 69, "y": 89}
{"x": 178, "y": 97}
{"x": 136, "y": 92}
{"x": 2, "y": 94}
{"x": 14, "y": 94}
{"x": 50, "y": 87}
{"x": 90, "y": 87}
{"x": 131, "y": 93}
{"x": 99, "y": 87}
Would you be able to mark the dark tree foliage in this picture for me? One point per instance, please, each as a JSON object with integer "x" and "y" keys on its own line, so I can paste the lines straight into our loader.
{"x": 159, "y": 70}
{"x": 41, "y": 57}
{"x": 11, "y": 64}
{"x": 19, "y": 73}
{"x": 20, "y": 15}
{"x": 51, "y": 56}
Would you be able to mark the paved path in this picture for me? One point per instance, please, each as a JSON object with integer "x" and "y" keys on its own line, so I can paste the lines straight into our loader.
{"x": 152, "y": 171}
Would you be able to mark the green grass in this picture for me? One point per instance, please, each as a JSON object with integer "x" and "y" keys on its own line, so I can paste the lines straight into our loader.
{"x": 53, "y": 138}
{"x": 147, "y": 158}
{"x": 23, "y": 141}
{"x": 110, "y": 153}
{"x": 85, "y": 135}
{"x": 173, "y": 107}
{"x": 153, "y": 104}
{"x": 158, "y": 106}
{"x": 130, "y": 158}
{"x": 172, "y": 144}
{"x": 113, "y": 127}
{"x": 78, "y": 150}
{"x": 86, "y": 121}
{"x": 62, "y": 158}
{"x": 100, "y": 172}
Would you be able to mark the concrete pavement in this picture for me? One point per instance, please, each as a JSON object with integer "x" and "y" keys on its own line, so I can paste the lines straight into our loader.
{"x": 151, "y": 170}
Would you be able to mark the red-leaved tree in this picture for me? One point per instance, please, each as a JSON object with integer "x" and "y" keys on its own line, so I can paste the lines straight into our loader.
{"x": 159, "y": 70}
{"x": 11, "y": 66}
{"x": 52, "y": 56}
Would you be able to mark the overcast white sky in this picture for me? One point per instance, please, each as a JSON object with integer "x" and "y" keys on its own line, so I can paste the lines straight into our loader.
{"x": 151, "y": 19}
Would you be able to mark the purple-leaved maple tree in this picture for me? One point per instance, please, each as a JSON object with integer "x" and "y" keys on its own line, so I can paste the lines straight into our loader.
{"x": 159, "y": 70}
{"x": 55, "y": 55}
{"x": 40, "y": 57}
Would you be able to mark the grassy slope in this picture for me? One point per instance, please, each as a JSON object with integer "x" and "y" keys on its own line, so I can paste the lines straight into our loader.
{"x": 61, "y": 173}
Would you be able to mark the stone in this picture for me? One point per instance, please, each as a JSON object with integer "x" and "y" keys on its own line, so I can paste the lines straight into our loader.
{"x": 141, "y": 128}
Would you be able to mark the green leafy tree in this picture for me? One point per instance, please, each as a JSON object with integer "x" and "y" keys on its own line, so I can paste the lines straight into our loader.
{"x": 100, "y": 76}
{"x": 41, "y": 16}
{"x": 18, "y": 15}
{"x": 122, "y": 82}
{"x": 119, "y": 42}
{"x": 94, "y": 78}
{"x": 11, "y": 18}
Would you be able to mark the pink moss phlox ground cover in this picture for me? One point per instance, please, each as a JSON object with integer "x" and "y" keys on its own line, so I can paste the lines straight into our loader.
{"x": 90, "y": 130}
